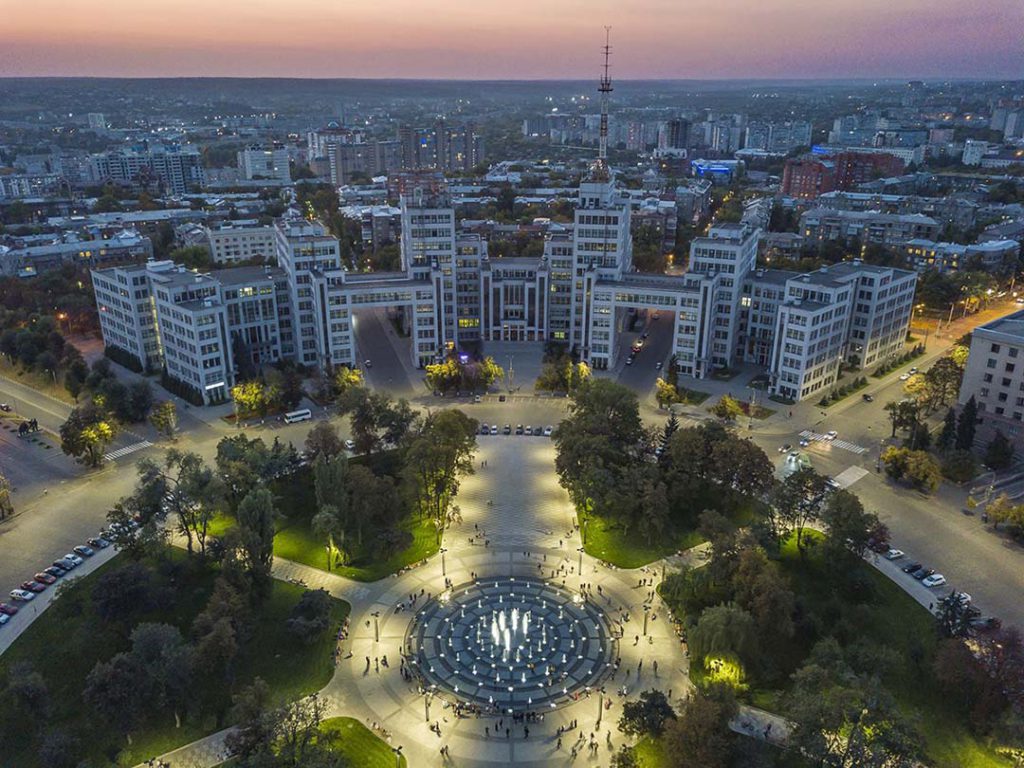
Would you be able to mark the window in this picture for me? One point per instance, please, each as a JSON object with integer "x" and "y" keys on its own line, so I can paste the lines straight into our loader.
{"x": 1010, "y": 367}
{"x": 991, "y": 363}
{"x": 995, "y": 349}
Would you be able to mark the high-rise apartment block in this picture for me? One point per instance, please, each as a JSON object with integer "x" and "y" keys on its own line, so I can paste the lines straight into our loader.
{"x": 265, "y": 163}
{"x": 173, "y": 168}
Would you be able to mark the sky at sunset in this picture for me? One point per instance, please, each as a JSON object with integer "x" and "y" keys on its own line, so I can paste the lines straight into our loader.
{"x": 526, "y": 39}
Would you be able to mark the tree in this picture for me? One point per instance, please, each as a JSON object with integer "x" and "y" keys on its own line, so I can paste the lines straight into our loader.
{"x": 725, "y": 633}
{"x": 112, "y": 690}
{"x": 25, "y": 699}
{"x": 727, "y": 408}
{"x": 959, "y": 466}
{"x": 436, "y": 459}
{"x": 655, "y": 512}
{"x": 966, "y": 425}
{"x": 323, "y": 440}
{"x": 741, "y": 467}
{"x": 121, "y": 594}
{"x": 372, "y": 501}
{"x": 647, "y": 715}
{"x": 6, "y": 505}
{"x": 256, "y": 515}
{"x": 327, "y": 526}
{"x": 943, "y": 380}
{"x": 243, "y": 463}
{"x": 1003, "y": 511}
{"x": 164, "y": 418}
{"x": 796, "y": 502}
{"x": 310, "y": 616}
{"x": 164, "y": 660}
{"x": 255, "y": 733}
{"x": 86, "y": 434}
{"x": 346, "y": 379}
{"x": 922, "y": 471}
{"x": 947, "y": 437}
{"x": 999, "y": 453}
{"x": 849, "y": 529}
{"x": 191, "y": 489}
{"x": 903, "y": 414}
{"x": 598, "y": 444}
{"x": 700, "y": 737}
{"x": 254, "y": 397}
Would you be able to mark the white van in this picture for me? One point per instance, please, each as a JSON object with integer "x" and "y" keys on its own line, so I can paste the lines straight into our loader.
{"x": 293, "y": 417}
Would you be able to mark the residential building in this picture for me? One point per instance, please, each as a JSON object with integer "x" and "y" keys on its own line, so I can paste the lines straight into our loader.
{"x": 240, "y": 240}
{"x": 172, "y": 168}
{"x": 270, "y": 163}
{"x": 123, "y": 247}
{"x": 989, "y": 256}
{"x": 125, "y": 310}
{"x": 864, "y": 227}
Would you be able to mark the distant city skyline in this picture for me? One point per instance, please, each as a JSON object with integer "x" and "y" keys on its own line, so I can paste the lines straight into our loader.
{"x": 530, "y": 39}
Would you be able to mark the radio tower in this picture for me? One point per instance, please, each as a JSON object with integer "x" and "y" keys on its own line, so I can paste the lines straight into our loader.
{"x": 605, "y": 88}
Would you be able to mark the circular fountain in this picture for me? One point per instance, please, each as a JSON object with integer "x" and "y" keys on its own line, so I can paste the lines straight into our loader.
{"x": 510, "y": 644}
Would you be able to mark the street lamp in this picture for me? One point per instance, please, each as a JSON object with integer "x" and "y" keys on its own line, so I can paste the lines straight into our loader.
{"x": 581, "y": 561}
{"x": 444, "y": 573}
{"x": 647, "y": 612}
{"x": 426, "y": 706}
{"x": 398, "y": 755}
{"x": 376, "y": 627}
{"x": 586, "y": 522}
{"x": 600, "y": 708}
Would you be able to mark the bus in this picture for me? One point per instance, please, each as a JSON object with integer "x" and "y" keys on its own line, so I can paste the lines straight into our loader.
{"x": 293, "y": 417}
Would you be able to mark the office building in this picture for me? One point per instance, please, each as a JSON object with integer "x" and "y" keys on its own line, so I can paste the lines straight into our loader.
{"x": 231, "y": 242}
{"x": 994, "y": 376}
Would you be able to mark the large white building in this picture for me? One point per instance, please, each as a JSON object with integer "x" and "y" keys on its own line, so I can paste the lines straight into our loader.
{"x": 265, "y": 163}
{"x": 449, "y": 294}
{"x": 172, "y": 167}
{"x": 994, "y": 376}
{"x": 234, "y": 241}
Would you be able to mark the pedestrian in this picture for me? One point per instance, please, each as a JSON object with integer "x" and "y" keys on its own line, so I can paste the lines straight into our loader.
{"x": 526, "y": 731}
{"x": 487, "y": 732}
{"x": 559, "y": 745}
{"x": 639, "y": 666}
{"x": 508, "y": 733}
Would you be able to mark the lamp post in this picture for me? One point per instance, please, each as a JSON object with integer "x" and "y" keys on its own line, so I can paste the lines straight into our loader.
{"x": 586, "y": 522}
{"x": 426, "y": 706}
{"x": 398, "y": 756}
{"x": 444, "y": 573}
{"x": 647, "y": 612}
{"x": 376, "y": 626}
{"x": 600, "y": 709}
{"x": 581, "y": 561}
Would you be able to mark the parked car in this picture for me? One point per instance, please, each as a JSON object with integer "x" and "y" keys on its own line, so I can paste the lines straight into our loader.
{"x": 904, "y": 376}
{"x": 528, "y": 430}
{"x": 519, "y": 429}
{"x": 64, "y": 564}
{"x": 54, "y": 571}
{"x": 350, "y": 445}
{"x": 7, "y": 609}
{"x": 964, "y": 598}
{"x": 4, "y": 618}
{"x": 911, "y": 567}
{"x": 912, "y": 371}
{"x": 894, "y": 554}
{"x": 868, "y": 398}
{"x": 74, "y": 558}
{"x": 97, "y": 542}
{"x": 494, "y": 429}
{"x": 477, "y": 398}
{"x": 33, "y": 586}
{"x": 934, "y": 580}
{"x": 484, "y": 429}
{"x": 6, "y": 408}
{"x": 84, "y": 551}
{"x": 548, "y": 431}
{"x": 922, "y": 573}
{"x": 507, "y": 430}
{"x": 45, "y": 578}
{"x": 22, "y": 594}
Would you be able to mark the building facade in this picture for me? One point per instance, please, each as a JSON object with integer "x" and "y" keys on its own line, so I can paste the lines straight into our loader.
{"x": 994, "y": 376}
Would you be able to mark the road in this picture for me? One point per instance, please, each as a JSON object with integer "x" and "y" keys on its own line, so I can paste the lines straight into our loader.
{"x": 657, "y": 348}
{"x": 377, "y": 342}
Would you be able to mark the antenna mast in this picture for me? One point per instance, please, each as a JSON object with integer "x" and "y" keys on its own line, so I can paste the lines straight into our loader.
{"x": 605, "y": 88}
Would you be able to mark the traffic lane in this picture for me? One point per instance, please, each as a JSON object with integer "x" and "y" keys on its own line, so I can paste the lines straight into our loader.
{"x": 26, "y": 403}
{"x": 66, "y": 515}
{"x": 30, "y": 467}
{"x": 935, "y": 532}
{"x": 641, "y": 374}
{"x": 374, "y": 343}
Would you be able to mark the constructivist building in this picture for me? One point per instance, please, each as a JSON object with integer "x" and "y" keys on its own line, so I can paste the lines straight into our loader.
{"x": 449, "y": 294}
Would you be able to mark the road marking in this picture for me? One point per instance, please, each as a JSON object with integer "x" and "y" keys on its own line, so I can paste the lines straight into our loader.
{"x": 126, "y": 450}
{"x": 849, "y": 476}
{"x": 818, "y": 437}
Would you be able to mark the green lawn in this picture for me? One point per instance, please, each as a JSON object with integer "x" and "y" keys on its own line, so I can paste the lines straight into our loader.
{"x": 65, "y": 642}
{"x": 358, "y": 745}
{"x": 650, "y": 753}
{"x": 891, "y": 617}
{"x": 606, "y": 541}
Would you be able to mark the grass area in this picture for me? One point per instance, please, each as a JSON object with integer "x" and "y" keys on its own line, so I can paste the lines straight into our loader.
{"x": 650, "y": 753}
{"x": 691, "y": 396}
{"x": 605, "y": 540}
{"x": 66, "y": 642}
{"x": 40, "y": 382}
{"x": 890, "y": 617}
{"x": 358, "y": 745}
{"x": 757, "y": 412}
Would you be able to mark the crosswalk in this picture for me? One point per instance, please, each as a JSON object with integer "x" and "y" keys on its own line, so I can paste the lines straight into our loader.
{"x": 117, "y": 454}
{"x": 849, "y": 476}
{"x": 819, "y": 437}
